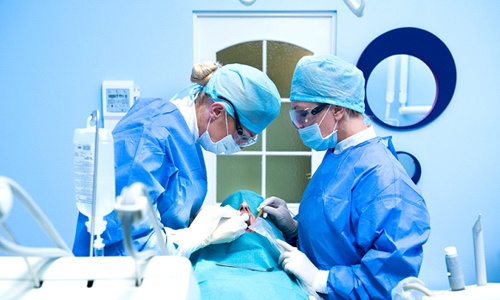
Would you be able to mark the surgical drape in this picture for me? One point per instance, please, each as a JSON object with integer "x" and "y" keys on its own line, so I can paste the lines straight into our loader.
{"x": 246, "y": 268}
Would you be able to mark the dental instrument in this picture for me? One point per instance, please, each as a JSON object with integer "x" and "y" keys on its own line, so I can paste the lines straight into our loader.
{"x": 261, "y": 211}
{"x": 132, "y": 205}
{"x": 270, "y": 269}
{"x": 479, "y": 258}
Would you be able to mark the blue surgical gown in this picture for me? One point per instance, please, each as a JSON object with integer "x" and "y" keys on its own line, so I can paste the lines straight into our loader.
{"x": 153, "y": 145}
{"x": 363, "y": 219}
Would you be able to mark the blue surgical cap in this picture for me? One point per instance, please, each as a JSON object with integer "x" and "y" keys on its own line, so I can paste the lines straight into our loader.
{"x": 254, "y": 96}
{"x": 328, "y": 79}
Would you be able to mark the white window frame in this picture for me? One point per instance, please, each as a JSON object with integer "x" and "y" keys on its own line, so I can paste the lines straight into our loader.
{"x": 213, "y": 31}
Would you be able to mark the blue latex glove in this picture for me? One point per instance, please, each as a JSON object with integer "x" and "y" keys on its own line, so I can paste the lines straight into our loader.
{"x": 279, "y": 213}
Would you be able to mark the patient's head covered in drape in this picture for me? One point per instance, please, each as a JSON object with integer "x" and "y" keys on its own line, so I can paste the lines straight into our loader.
{"x": 251, "y": 261}
{"x": 246, "y": 202}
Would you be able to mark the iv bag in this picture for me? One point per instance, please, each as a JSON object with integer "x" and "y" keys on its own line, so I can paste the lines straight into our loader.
{"x": 84, "y": 152}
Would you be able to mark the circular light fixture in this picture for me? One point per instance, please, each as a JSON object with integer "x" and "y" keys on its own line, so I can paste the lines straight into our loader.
{"x": 248, "y": 2}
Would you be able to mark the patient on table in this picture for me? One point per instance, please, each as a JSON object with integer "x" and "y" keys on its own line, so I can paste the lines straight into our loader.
{"x": 246, "y": 268}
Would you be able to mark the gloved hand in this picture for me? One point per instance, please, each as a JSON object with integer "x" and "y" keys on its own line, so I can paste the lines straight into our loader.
{"x": 231, "y": 226}
{"x": 277, "y": 209}
{"x": 297, "y": 263}
{"x": 212, "y": 225}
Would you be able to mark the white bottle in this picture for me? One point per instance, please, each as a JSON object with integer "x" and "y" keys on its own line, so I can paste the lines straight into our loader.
{"x": 454, "y": 268}
{"x": 84, "y": 145}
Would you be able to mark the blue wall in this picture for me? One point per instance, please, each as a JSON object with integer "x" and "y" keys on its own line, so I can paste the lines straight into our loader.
{"x": 55, "y": 54}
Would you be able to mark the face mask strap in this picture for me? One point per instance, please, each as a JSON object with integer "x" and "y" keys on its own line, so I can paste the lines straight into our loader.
{"x": 227, "y": 130}
{"x": 325, "y": 115}
{"x": 335, "y": 127}
{"x": 208, "y": 125}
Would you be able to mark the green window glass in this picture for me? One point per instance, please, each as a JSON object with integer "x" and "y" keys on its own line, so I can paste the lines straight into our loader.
{"x": 278, "y": 164}
{"x": 281, "y": 61}
{"x": 236, "y": 172}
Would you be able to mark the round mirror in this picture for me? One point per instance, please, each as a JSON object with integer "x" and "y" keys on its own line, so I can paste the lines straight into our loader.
{"x": 401, "y": 90}
{"x": 411, "y": 165}
{"x": 406, "y": 47}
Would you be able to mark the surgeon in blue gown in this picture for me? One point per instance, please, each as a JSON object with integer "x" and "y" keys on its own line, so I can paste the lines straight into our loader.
{"x": 246, "y": 268}
{"x": 158, "y": 142}
{"x": 362, "y": 222}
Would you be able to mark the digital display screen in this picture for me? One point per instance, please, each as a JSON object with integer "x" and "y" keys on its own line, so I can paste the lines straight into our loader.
{"x": 118, "y": 100}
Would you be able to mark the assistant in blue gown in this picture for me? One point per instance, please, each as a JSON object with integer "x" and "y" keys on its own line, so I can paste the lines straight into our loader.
{"x": 363, "y": 219}
{"x": 362, "y": 222}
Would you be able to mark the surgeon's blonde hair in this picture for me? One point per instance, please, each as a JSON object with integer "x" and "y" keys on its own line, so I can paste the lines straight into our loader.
{"x": 201, "y": 73}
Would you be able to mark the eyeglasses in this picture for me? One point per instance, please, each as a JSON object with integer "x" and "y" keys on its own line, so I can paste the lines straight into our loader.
{"x": 304, "y": 117}
{"x": 243, "y": 140}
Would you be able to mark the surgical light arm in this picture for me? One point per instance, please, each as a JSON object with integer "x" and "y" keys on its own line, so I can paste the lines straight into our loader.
{"x": 357, "y": 7}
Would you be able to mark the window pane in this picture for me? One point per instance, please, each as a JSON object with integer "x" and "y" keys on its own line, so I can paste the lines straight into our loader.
{"x": 281, "y": 60}
{"x": 236, "y": 172}
{"x": 287, "y": 177}
{"x": 248, "y": 53}
{"x": 282, "y": 135}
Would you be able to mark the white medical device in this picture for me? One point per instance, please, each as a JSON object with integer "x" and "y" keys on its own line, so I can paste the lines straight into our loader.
{"x": 117, "y": 98}
{"x": 38, "y": 273}
{"x": 356, "y": 7}
{"x": 94, "y": 177}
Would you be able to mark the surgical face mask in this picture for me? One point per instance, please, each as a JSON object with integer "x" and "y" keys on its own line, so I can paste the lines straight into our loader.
{"x": 312, "y": 138}
{"x": 227, "y": 145}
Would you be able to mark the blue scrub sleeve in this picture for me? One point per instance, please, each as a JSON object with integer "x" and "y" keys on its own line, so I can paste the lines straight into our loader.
{"x": 392, "y": 231}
